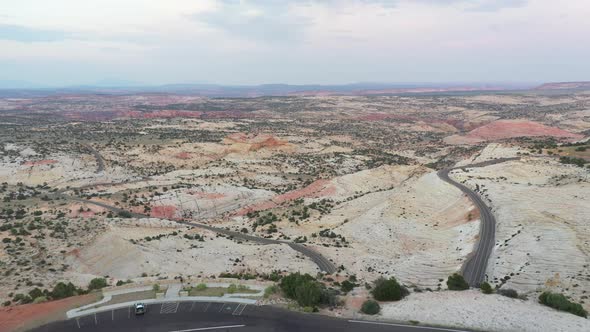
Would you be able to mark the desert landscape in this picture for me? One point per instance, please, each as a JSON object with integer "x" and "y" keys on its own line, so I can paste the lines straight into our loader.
{"x": 140, "y": 187}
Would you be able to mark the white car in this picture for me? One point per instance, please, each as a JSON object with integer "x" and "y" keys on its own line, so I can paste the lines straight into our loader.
{"x": 140, "y": 308}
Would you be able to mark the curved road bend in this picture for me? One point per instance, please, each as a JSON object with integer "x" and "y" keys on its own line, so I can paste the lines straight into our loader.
{"x": 222, "y": 317}
{"x": 474, "y": 269}
{"x": 322, "y": 262}
{"x": 97, "y": 156}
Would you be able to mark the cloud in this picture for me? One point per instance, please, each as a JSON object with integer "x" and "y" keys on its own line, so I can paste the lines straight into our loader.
{"x": 29, "y": 35}
{"x": 257, "y": 20}
{"x": 496, "y": 5}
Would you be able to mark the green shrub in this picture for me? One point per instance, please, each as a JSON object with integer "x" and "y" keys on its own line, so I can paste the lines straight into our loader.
{"x": 40, "y": 299}
{"x": 62, "y": 290}
{"x": 308, "y": 294}
{"x": 35, "y": 293}
{"x": 370, "y": 307}
{"x": 388, "y": 290}
{"x": 156, "y": 288}
{"x": 303, "y": 288}
{"x": 232, "y": 288}
{"x": 457, "y": 282}
{"x": 347, "y": 286}
{"x": 486, "y": 288}
{"x": 309, "y": 309}
{"x": 270, "y": 290}
{"x": 560, "y": 302}
{"x": 124, "y": 214}
{"x": 97, "y": 283}
{"x": 201, "y": 287}
{"x": 508, "y": 293}
{"x": 289, "y": 283}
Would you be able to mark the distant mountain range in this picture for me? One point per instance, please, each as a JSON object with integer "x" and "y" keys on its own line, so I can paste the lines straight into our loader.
{"x": 118, "y": 87}
{"x": 565, "y": 86}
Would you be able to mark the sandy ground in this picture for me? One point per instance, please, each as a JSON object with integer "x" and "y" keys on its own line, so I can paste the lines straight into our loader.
{"x": 419, "y": 231}
{"x": 472, "y": 309}
{"x": 543, "y": 234}
{"x": 111, "y": 253}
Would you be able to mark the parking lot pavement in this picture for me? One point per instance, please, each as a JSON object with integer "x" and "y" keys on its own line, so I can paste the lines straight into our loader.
{"x": 169, "y": 307}
{"x": 117, "y": 316}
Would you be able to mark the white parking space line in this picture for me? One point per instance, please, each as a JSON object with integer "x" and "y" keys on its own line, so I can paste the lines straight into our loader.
{"x": 78, "y": 322}
{"x": 210, "y": 328}
{"x": 408, "y": 326}
{"x": 129, "y": 313}
{"x": 192, "y": 306}
{"x": 113, "y": 314}
{"x": 95, "y": 320}
{"x": 239, "y": 309}
{"x": 222, "y": 306}
{"x": 236, "y": 310}
{"x": 169, "y": 307}
{"x": 244, "y": 307}
{"x": 207, "y": 308}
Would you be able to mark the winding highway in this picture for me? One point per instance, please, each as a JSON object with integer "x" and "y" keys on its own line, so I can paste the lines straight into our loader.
{"x": 474, "y": 268}
{"x": 322, "y": 262}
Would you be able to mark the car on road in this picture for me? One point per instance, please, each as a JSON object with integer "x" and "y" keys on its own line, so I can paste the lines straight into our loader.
{"x": 139, "y": 308}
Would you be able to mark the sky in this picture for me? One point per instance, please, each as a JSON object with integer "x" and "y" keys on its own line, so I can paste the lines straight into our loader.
{"x": 71, "y": 42}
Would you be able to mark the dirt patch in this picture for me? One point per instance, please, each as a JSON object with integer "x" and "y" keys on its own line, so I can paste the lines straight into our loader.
{"x": 503, "y": 129}
{"x": 318, "y": 188}
{"x": 28, "y": 316}
{"x": 163, "y": 211}
{"x": 183, "y": 155}
{"x": 252, "y": 142}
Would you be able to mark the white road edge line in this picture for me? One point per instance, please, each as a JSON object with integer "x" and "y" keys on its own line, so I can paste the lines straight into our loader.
{"x": 403, "y": 325}
{"x": 210, "y": 328}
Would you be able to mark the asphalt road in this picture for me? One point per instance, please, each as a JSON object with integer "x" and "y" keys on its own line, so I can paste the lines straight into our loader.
{"x": 474, "y": 269}
{"x": 98, "y": 156}
{"x": 322, "y": 262}
{"x": 204, "y": 316}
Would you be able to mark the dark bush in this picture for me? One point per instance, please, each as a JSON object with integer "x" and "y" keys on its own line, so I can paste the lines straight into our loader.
{"x": 307, "y": 291}
{"x": 289, "y": 283}
{"x": 560, "y": 302}
{"x": 124, "y": 214}
{"x": 97, "y": 283}
{"x": 35, "y": 293}
{"x": 388, "y": 290}
{"x": 62, "y": 290}
{"x": 370, "y": 307}
{"x": 457, "y": 282}
{"x": 486, "y": 288}
{"x": 508, "y": 293}
{"x": 308, "y": 294}
{"x": 347, "y": 286}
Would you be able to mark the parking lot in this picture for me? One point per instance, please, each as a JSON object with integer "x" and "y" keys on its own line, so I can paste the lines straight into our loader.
{"x": 160, "y": 312}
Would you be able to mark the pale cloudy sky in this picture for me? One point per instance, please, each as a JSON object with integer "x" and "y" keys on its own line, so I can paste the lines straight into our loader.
{"x": 63, "y": 42}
